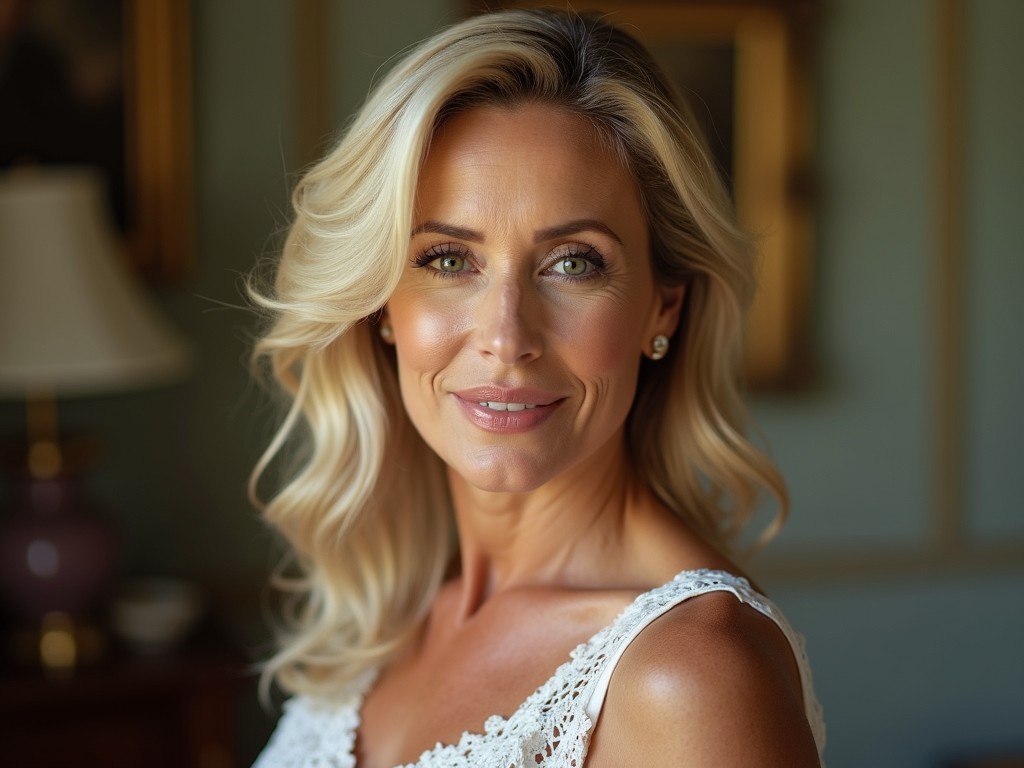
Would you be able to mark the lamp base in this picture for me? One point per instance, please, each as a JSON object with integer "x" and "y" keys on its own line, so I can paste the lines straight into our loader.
{"x": 56, "y": 555}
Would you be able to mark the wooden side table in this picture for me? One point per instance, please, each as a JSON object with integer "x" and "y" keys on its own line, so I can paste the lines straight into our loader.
{"x": 176, "y": 712}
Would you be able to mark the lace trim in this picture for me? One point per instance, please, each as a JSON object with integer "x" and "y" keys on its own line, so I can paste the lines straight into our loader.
{"x": 316, "y": 734}
{"x": 550, "y": 723}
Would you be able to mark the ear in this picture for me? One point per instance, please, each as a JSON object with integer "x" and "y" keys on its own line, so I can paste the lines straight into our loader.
{"x": 668, "y": 306}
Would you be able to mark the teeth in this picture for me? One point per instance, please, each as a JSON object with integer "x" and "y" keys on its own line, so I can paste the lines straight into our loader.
{"x": 508, "y": 406}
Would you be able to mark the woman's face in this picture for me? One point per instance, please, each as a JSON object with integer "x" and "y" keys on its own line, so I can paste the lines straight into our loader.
{"x": 528, "y": 300}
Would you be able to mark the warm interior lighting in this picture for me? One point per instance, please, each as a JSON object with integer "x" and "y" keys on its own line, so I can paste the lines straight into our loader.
{"x": 58, "y": 650}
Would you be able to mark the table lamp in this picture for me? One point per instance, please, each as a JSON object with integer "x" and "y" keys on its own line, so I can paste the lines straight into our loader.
{"x": 73, "y": 323}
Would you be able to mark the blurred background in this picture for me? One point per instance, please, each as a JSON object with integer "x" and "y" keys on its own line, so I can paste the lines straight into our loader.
{"x": 901, "y": 437}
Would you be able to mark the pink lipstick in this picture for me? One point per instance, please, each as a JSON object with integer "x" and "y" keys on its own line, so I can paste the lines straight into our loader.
{"x": 508, "y": 410}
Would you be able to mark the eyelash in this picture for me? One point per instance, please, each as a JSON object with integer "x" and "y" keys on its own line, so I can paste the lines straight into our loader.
{"x": 435, "y": 252}
{"x": 587, "y": 253}
{"x": 571, "y": 251}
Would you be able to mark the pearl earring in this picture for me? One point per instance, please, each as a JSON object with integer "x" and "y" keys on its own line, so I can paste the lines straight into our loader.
{"x": 386, "y": 332}
{"x": 659, "y": 346}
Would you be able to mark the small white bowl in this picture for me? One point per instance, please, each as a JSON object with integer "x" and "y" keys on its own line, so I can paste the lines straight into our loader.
{"x": 153, "y": 616}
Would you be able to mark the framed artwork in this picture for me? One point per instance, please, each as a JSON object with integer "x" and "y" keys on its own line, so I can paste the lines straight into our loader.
{"x": 744, "y": 66}
{"x": 107, "y": 83}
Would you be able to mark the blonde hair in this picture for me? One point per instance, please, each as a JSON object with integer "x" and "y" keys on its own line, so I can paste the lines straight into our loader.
{"x": 372, "y": 547}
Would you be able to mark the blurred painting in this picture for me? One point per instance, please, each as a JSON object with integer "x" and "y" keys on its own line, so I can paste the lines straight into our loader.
{"x": 705, "y": 73}
{"x": 62, "y": 90}
{"x": 106, "y": 83}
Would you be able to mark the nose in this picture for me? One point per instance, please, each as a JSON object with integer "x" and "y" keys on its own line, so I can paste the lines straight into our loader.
{"x": 508, "y": 322}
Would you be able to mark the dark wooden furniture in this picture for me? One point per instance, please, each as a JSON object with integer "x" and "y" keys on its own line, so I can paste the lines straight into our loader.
{"x": 177, "y": 712}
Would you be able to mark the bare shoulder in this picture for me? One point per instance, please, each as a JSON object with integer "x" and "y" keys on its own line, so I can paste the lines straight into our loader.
{"x": 711, "y": 683}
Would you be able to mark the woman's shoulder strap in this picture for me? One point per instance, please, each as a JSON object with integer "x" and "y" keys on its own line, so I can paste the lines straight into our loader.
{"x": 653, "y": 604}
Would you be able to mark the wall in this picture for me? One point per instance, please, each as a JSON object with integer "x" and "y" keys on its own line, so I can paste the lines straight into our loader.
{"x": 913, "y": 664}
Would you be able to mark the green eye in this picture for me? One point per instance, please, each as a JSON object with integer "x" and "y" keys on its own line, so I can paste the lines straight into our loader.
{"x": 573, "y": 265}
{"x": 451, "y": 263}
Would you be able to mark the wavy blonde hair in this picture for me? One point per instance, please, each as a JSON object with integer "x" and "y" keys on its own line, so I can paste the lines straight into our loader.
{"x": 371, "y": 546}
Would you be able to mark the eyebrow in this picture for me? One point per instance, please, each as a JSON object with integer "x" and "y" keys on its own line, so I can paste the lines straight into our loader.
{"x": 573, "y": 227}
{"x": 440, "y": 228}
{"x": 550, "y": 233}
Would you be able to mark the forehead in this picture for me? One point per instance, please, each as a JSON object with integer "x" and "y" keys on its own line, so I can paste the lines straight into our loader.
{"x": 523, "y": 124}
{"x": 505, "y": 152}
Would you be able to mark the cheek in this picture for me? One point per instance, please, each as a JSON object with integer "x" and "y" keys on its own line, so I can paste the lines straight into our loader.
{"x": 604, "y": 341}
{"x": 426, "y": 335}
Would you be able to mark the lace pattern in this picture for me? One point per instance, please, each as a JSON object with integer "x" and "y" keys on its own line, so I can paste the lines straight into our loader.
{"x": 314, "y": 734}
{"x": 550, "y": 728}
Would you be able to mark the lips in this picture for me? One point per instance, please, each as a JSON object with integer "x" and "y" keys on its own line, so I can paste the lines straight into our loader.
{"x": 509, "y": 410}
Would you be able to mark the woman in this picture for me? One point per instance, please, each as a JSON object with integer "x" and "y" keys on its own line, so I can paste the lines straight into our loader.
{"x": 508, "y": 312}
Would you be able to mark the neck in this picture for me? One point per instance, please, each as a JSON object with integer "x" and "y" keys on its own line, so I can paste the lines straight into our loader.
{"x": 571, "y": 532}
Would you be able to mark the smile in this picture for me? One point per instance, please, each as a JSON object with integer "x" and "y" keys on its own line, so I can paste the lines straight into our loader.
{"x": 507, "y": 418}
{"x": 508, "y": 410}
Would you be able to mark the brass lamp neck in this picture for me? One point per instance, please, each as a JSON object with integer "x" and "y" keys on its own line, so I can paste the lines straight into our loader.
{"x": 44, "y": 456}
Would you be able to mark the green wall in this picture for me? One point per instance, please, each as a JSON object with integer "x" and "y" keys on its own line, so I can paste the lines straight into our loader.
{"x": 995, "y": 194}
{"x": 913, "y": 666}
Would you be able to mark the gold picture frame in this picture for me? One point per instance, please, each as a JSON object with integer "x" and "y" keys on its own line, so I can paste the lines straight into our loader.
{"x": 108, "y": 85}
{"x": 769, "y": 48}
{"x": 158, "y": 114}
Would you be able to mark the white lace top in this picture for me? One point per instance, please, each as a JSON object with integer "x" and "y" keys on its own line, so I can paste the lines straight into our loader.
{"x": 552, "y": 727}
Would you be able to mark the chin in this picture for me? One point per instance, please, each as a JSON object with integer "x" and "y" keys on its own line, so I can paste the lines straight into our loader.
{"x": 502, "y": 471}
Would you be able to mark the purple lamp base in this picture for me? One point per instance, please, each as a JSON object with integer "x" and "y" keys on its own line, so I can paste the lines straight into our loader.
{"x": 55, "y": 554}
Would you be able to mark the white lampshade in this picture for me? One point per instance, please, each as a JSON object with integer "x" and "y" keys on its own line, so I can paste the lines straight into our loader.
{"x": 73, "y": 321}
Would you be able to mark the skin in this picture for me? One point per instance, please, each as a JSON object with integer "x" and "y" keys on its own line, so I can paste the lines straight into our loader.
{"x": 557, "y": 535}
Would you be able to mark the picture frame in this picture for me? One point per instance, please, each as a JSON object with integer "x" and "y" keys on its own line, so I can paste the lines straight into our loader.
{"x": 765, "y": 150}
{"x": 107, "y": 83}
{"x": 159, "y": 132}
